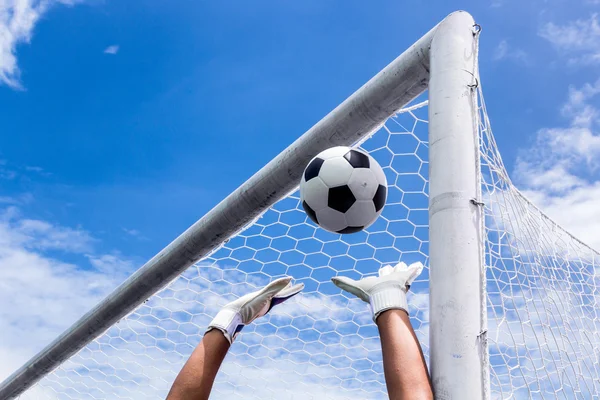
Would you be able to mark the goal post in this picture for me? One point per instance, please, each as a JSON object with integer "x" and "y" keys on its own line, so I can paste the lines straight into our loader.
{"x": 445, "y": 60}
{"x": 458, "y": 357}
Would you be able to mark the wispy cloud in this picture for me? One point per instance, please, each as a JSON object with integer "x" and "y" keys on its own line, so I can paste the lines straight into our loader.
{"x": 7, "y": 174}
{"x": 42, "y": 296}
{"x": 7, "y": 171}
{"x": 559, "y": 172}
{"x": 577, "y": 107}
{"x": 10, "y": 171}
{"x": 38, "y": 170}
{"x": 111, "y": 264}
{"x": 17, "y": 22}
{"x": 131, "y": 232}
{"x": 114, "y": 49}
{"x": 135, "y": 234}
{"x": 46, "y": 236}
{"x": 17, "y": 200}
{"x": 578, "y": 40}
{"x": 506, "y": 52}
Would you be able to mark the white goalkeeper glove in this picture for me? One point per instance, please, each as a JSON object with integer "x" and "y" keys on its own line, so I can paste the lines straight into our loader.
{"x": 235, "y": 315}
{"x": 386, "y": 291}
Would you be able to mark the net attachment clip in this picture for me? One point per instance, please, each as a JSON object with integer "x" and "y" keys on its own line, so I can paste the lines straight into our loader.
{"x": 474, "y": 85}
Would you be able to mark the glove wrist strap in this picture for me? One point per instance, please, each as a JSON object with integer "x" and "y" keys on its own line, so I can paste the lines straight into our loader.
{"x": 229, "y": 322}
{"x": 389, "y": 299}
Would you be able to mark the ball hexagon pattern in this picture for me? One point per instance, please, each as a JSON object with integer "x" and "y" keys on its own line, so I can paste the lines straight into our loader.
{"x": 343, "y": 190}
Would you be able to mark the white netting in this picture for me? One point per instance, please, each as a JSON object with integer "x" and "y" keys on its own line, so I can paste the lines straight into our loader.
{"x": 543, "y": 294}
{"x": 542, "y": 290}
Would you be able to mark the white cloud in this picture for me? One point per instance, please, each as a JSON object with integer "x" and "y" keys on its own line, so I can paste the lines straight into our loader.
{"x": 16, "y": 200}
{"x": 577, "y": 107}
{"x": 7, "y": 173}
{"x": 37, "y": 170}
{"x": 111, "y": 264}
{"x": 552, "y": 179}
{"x": 506, "y": 52}
{"x": 576, "y": 210}
{"x": 114, "y": 49}
{"x": 17, "y": 22}
{"x": 573, "y": 142}
{"x": 40, "y": 295}
{"x": 501, "y": 50}
{"x": 132, "y": 232}
{"x": 560, "y": 171}
{"x": 8, "y": 200}
{"x": 579, "y": 40}
{"x": 42, "y": 235}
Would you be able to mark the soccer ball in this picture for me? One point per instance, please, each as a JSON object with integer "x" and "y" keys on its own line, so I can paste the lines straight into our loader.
{"x": 343, "y": 190}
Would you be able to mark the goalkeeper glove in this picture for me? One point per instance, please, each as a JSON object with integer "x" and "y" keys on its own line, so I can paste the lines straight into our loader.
{"x": 386, "y": 291}
{"x": 235, "y": 315}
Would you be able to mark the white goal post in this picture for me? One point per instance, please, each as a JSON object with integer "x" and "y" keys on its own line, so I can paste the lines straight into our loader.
{"x": 456, "y": 280}
{"x": 491, "y": 258}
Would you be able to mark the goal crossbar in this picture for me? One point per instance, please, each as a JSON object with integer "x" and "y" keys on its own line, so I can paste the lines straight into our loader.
{"x": 361, "y": 114}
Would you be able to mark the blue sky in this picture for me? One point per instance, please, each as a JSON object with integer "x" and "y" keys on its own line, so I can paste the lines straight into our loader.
{"x": 124, "y": 123}
{"x": 200, "y": 96}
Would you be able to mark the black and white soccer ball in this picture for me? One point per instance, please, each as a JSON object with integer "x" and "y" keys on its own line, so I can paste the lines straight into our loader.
{"x": 343, "y": 190}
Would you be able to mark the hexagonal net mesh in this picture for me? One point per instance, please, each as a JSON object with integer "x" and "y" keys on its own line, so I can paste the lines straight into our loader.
{"x": 543, "y": 289}
{"x": 542, "y": 286}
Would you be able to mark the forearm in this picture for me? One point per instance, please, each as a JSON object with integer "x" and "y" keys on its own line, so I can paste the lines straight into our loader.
{"x": 195, "y": 380}
{"x": 404, "y": 366}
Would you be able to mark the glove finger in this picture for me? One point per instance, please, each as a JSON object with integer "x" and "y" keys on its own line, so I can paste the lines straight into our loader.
{"x": 400, "y": 267}
{"x": 287, "y": 293}
{"x": 290, "y": 290}
{"x": 266, "y": 294}
{"x": 388, "y": 269}
{"x": 414, "y": 270}
{"x": 275, "y": 287}
{"x": 349, "y": 285}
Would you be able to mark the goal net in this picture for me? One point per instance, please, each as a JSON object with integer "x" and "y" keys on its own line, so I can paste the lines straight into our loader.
{"x": 543, "y": 289}
{"x": 543, "y": 298}
{"x": 543, "y": 311}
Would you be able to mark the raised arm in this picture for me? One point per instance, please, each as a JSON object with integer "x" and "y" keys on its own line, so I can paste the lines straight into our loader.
{"x": 406, "y": 374}
{"x": 196, "y": 378}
